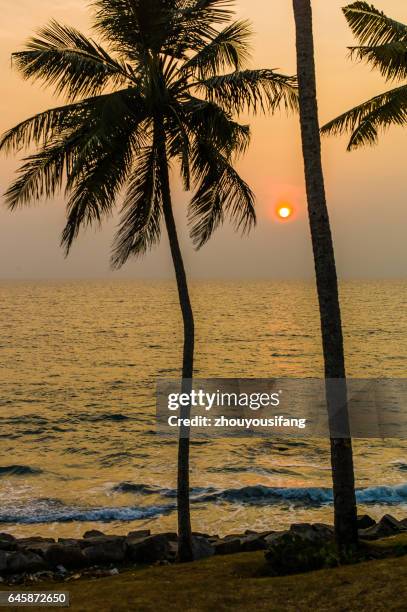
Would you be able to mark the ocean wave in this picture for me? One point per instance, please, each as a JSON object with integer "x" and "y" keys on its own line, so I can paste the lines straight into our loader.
{"x": 146, "y": 489}
{"x": 54, "y": 511}
{"x": 19, "y": 470}
{"x": 261, "y": 495}
{"x": 142, "y": 489}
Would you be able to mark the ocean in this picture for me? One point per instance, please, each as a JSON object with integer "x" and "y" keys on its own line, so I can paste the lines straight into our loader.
{"x": 79, "y": 363}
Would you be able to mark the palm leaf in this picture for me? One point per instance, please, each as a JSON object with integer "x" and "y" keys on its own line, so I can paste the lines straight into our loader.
{"x": 365, "y": 120}
{"x": 221, "y": 191}
{"x": 389, "y": 58}
{"x": 254, "y": 90}
{"x": 141, "y": 213}
{"x": 64, "y": 58}
{"x": 226, "y": 49}
{"x": 94, "y": 184}
{"x": 371, "y": 26}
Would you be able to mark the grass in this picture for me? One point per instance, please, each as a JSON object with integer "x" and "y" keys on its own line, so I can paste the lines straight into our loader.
{"x": 240, "y": 583}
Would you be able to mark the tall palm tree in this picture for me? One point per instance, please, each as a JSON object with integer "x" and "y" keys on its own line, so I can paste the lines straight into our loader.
{"x": 327, "y": 284}
{"x": 383, "y": 44}
{"x": 164, "y": 91}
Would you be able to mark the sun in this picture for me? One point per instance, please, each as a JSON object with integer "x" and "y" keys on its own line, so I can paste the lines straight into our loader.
{"x": 284, "y": 211}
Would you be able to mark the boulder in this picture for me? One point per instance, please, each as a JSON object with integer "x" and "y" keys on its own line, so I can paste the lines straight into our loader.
{"x": 141, "y": 533}
{"x": 69, "y": 556}
{"x": 24, "y": 542}
{"x": 101, "y": 540}
{"x": 304, "y": 547}
{"x": 150, "y": 549}
{"x": 22, "y": 562}
{"x": 201, "y": 547}
{"x": 253, "y": 542}
{"x": 93, "y": 533}
{"x": 7, "y": 542}
{"x": 3, "y": 561}
{"x": 106, "y": 552}
{"x": 365, "y": 521}
{"x": 317, "y": 532}
{"x": 387, "y": 526}
{"x": 227, "y": 546}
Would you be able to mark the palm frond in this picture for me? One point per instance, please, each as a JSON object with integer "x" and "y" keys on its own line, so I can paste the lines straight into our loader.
{"x": 226, "y": 49}
{"x": 42, "y": 173}
{"x": 64, "y": 58}
{"x": 365, "y": 121}
{"x": 254, "y": 90}
{"x": 83, "y": 134}
{"x": 42, "y": 127}
{"x": 221, "y": 192}
{"x": 218, "y": 126}
{"x": 371, "y": 26}
{"x": 390, "y": 59}
{"x": 140, "y": 226}
{"x": 95, "y": 182}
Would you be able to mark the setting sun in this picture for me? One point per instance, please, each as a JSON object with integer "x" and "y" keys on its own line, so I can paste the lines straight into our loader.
{"x": 284, "y": 212}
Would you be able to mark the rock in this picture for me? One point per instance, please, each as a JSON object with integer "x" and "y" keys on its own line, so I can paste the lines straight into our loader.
{"x": 201, "y": 547}
{"x": 7, "y": 536}
{"x": 93, "y": 533}
{"x": 150, "y": 549}
{"x": 7, "y": 542}
{"x": 315, "y": 532}
{"x": 101, "y": 540}
{"x": 106, "y": 552}
{"x": 24, "y": 542}
{"x": 253, "y": 542}
{"x": 302, "y": 548}
{"x": 142, "y": 533}
{"x": 365, "y": 521}
{"x": 22, "y": 562}
{"x": 387, "y": 526}
{"x": 36, "y": 545}
{"x": 69, "y": 556}
{"x": 201, "y": 535}
{"x": 227, "y": 546}
{"x": 3, "y": 561}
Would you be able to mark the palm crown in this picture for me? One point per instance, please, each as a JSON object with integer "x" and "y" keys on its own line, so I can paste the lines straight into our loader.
{"x": 174, "y": 76}
{"x": 383, "y": 43}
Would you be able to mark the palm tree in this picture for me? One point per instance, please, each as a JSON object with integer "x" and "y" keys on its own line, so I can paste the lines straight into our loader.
{"x": 164, "y": 91}
{"x": 383, "y": 43}
{"x": 327, "y": 284}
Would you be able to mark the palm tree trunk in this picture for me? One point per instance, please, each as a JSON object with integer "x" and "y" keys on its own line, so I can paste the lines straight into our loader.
{"x": 185, "y": 552}
{"x": 327, "y": 284}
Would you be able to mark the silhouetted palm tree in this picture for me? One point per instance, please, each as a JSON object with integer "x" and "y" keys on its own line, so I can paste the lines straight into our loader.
{"x": 327, "y": 284}
{"x": 383, "y": 43}
{"x": 161, "y": 93}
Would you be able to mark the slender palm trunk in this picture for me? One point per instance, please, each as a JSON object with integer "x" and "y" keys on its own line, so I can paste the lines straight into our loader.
{"x": 327, "y": 284}
{"x": 185, "y": 552}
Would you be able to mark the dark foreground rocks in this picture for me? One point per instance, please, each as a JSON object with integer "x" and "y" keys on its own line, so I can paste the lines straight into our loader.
{"x": 300, "y": 548}
{"x": 305, "y": 547}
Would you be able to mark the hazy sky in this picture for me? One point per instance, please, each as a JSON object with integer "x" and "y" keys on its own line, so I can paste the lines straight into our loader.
{"x": 366, "y": 189}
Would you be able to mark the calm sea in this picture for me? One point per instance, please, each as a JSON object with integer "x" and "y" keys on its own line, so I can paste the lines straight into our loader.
{"x": 78, "y": 365}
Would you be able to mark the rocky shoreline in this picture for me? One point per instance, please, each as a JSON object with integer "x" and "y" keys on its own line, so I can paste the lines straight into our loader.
{"x": 35, "y": 559}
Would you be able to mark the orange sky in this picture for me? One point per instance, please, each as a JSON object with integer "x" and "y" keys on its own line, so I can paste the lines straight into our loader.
{"x": 366, "y": 189}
